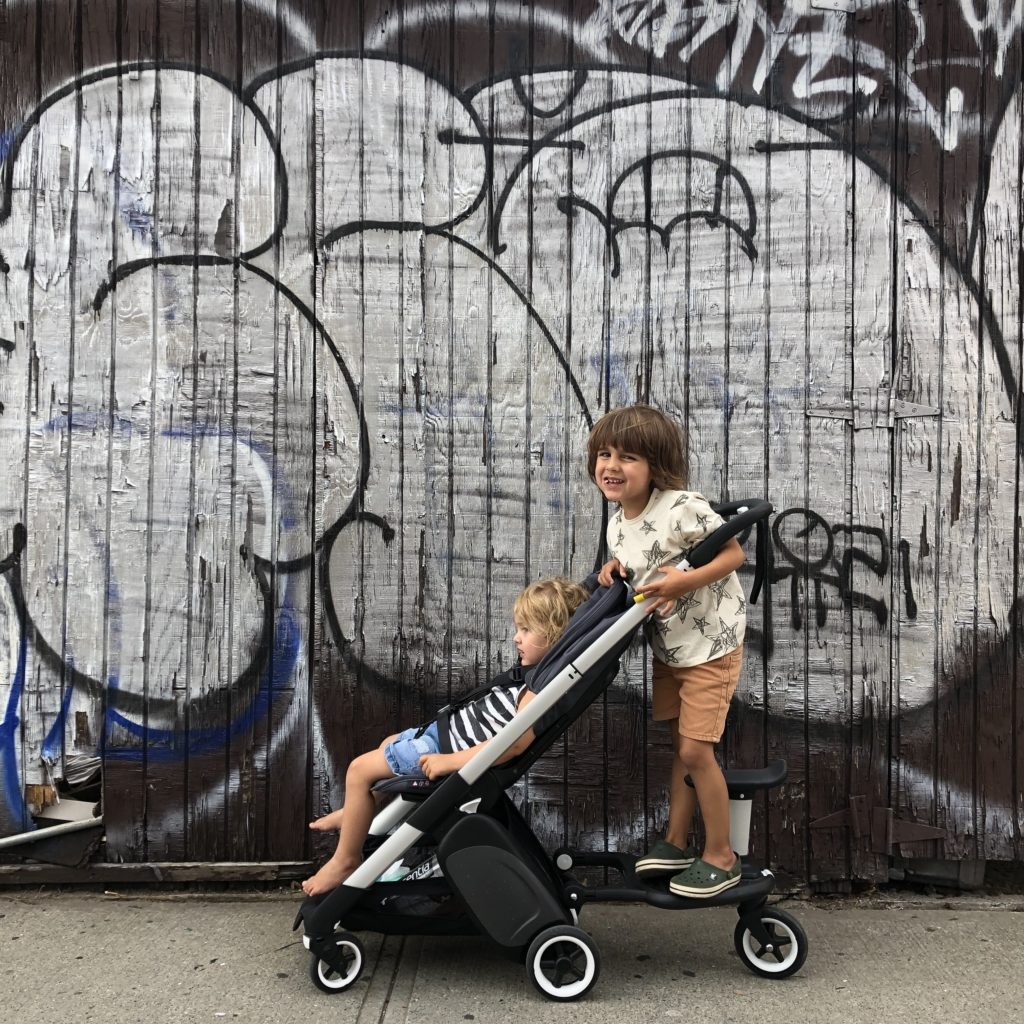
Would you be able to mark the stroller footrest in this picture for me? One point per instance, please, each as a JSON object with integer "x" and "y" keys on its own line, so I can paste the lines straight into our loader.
{"x": 754, "y": 886}
{"x": 598, "y": 859}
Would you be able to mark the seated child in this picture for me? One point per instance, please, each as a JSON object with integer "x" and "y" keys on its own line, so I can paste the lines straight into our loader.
{"x": 541, "y": 613}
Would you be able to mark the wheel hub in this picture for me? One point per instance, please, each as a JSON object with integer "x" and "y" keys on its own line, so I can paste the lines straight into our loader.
{"x": 566, "y": 970}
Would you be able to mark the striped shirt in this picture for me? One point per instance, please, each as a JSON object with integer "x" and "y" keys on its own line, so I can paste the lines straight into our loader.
{"x": 479, "y": 720}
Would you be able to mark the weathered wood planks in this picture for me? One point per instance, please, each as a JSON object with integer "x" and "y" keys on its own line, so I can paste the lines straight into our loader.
{"x": 305, "y": 316}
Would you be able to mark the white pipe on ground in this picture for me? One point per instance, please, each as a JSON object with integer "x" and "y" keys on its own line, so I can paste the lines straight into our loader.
{"x": 51, "y": 830}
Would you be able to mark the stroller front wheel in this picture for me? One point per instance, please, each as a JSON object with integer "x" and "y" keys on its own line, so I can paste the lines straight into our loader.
{"x": 563, "y": 962}
{"x": 785, "y": 951}
{"x": 345, "y": 968}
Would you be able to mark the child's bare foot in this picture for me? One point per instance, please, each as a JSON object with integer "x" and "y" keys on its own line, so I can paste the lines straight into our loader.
{"x": 329, "y": 822}
{"x": 329, "y": 877}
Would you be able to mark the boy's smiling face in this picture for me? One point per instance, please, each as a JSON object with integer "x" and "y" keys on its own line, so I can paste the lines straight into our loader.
{"x": 624, "y": 477}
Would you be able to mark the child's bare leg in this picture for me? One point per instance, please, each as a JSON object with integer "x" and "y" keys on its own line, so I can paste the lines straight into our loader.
{"x": 362, "y": 773}
{"x": 329, "y": 822}
{"x": 682, "y": 800}
{"x": 332, "y": 822}
{"x": 698, "y": 758}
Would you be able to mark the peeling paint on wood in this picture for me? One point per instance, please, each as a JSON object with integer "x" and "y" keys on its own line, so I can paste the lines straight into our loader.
{"x": 303, "y": 323}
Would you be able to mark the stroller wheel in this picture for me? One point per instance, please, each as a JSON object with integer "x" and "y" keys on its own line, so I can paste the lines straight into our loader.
{"x": 563, "y": 962}
{"x": 783, "y": 955}
{"x": 349, "y": 957}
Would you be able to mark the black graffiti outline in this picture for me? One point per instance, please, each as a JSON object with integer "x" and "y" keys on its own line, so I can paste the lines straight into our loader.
{"x": 491, "y": 264}
{"x": 614, "y": 225}
{"x": 579, "y": 80}
{"x": 130, "y": 67}
{"x": 140, "y": 706}
{"x": 545, "y": 142}
{"x": 302, "y": 63}
{"x": 842, "y": 580}
{"x": 857, "y": 104}
{"x": 353, "y": 511}
{"x": 960, "y": 265}
{"x": 439, "y": 232}
{"x": 261, "y": 566}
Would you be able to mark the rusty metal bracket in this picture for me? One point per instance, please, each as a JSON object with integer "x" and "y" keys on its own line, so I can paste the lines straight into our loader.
{"x": 854, "y": 816}
{"x": 888, "y": 831}
{"x": 879, "y": 825}
{"x": 871, "y": 407}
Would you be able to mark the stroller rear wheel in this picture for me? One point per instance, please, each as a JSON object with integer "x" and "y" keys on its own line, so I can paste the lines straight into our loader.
{"x": 348, "y": 959}
{"x": 785, "y": 951}
{"x": 563, "y": 962}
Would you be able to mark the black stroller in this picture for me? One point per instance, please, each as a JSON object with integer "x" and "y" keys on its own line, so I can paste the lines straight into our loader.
{"x": 491, "y": 875}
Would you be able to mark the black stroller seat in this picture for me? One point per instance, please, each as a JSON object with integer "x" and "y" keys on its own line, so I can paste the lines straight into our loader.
{"x": 413, "y": 787}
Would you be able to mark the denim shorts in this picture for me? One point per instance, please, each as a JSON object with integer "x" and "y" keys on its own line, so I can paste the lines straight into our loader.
{"x": 403, "y": 753}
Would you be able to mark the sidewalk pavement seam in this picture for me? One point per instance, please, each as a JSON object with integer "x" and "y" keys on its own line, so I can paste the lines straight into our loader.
{"x": 391, "y": 981}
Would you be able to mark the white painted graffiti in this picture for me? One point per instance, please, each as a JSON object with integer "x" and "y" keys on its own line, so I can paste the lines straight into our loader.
{"x": 233, "y": 379}
{"x": 1003, "y": 19}
{"x": 820, "y": 42}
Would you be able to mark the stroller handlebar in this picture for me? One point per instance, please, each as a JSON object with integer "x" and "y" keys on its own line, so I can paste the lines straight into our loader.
{"x": 740, "y": 517}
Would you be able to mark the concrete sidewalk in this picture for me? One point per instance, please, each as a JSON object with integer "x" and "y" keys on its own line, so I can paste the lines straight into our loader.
{"x": 160, "y": 959}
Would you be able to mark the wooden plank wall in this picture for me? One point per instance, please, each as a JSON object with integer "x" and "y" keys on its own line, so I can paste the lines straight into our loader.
{"x": 306, "y": 310}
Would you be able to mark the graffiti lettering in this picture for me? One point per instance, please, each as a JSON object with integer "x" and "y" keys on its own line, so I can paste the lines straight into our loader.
{"x": 1003, "y": 20}
{"x": 805, "y": 546}
{"x": 820, "y": 42}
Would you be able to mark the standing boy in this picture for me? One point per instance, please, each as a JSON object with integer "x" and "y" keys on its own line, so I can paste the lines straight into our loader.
{"x": 636, "y": 458}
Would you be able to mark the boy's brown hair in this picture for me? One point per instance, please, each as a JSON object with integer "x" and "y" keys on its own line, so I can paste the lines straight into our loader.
{"x": 545, "y": 607}
{"x": 643, "y": 430}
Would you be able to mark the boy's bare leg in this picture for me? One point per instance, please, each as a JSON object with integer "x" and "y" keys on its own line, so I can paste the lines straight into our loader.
{"x": 332, "y": 822}
{"x": 698, "y": 757}
{"x": 362, "y": 773}
{"x": 682, "y": 800}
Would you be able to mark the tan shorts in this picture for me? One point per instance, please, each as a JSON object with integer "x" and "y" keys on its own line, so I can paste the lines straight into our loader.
{"x": 698, "y": 695}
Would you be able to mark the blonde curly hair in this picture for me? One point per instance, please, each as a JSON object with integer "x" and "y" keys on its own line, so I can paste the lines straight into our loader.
{"x": 546, "y": 606}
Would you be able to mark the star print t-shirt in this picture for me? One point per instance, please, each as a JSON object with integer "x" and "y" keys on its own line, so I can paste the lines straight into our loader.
{"x": 705, "y": 624}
